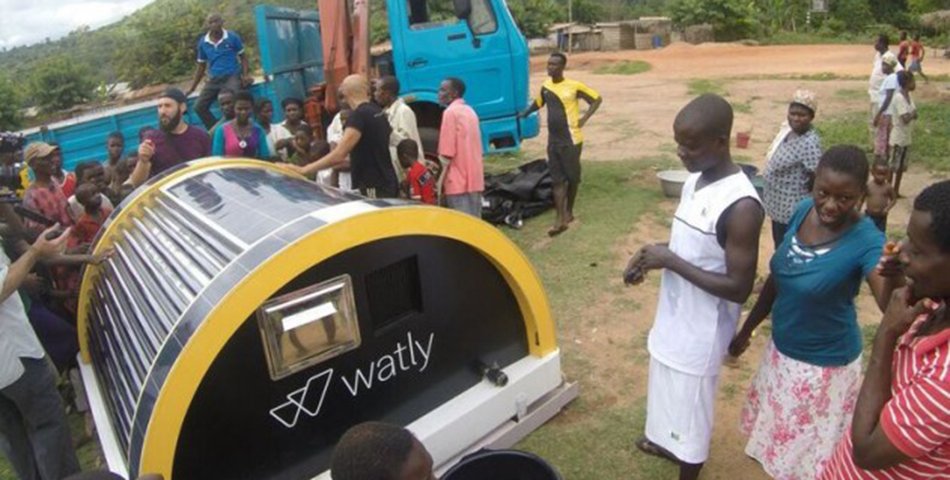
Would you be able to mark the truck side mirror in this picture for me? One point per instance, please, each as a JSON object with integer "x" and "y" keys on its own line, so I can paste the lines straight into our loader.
{"x": 463, "y": 9}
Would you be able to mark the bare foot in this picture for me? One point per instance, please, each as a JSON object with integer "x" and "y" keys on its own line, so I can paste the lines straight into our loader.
{"x": 557, "y": 230}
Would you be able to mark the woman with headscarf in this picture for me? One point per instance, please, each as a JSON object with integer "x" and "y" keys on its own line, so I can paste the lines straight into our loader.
{"x": 803, "y": 395}
{"x": 790, "y": 163}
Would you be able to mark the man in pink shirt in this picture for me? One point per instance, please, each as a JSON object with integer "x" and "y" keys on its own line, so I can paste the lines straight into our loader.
{"x": 460, "y": 150}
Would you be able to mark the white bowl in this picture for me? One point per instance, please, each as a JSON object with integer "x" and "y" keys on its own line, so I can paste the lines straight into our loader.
{"x": 672, "y": 182}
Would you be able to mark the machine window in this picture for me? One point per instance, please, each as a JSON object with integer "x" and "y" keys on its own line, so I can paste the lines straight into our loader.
{"x": 483, "y": 19}
{"x": 309, "y": 326}
{"x": 426, "y": 14}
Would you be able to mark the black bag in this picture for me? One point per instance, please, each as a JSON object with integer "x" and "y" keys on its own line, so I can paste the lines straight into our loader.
{"x": 522, "y": 193}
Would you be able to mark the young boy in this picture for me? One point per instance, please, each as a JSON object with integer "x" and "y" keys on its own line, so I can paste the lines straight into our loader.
{"x": 709, "y": 269}
{"x": 420, "y": 182}
{"x": 89, "y": 173}
{"x": 376, "y": 451}
{"x": 904, "y": 117}
{"x": 115, "y": 144}
{"x": 306, "y": 151}
{"x": 917, "y": 54}
{"x": 94, "y": 213}
{"x": 881, "y": 197}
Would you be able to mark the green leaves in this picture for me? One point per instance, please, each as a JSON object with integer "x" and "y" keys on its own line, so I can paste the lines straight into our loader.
{"x": 731, "y": 19}
{"x": 10, "y": 117}
{"x": 59, "y": 83}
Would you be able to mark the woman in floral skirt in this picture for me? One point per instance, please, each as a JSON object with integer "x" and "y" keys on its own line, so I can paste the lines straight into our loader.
{"x": 803, "y": 395}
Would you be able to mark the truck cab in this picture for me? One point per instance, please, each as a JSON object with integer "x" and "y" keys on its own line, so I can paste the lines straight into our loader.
{"x": 478, "y": 43}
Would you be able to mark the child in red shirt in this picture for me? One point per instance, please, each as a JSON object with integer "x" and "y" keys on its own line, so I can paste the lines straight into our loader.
{"x": 420, "y": 182}
{"x": 94, "y": 214}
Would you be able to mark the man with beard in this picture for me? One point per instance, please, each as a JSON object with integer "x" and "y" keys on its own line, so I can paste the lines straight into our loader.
{"x": 173, "y": 143}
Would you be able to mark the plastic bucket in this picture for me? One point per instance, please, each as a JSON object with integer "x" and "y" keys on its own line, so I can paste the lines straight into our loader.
{"x": 742, "y": 139}
{"x": 502, "y": 465}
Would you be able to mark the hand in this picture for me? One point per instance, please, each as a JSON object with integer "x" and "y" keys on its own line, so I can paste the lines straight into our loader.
{"x": 633, "y": 274}
{"x": 655, "y": 257}
{"x": 47, "y": 247}
{"x": 246, "y": 81}
{"x": 581, "y": 123}
{"x": 740, "y": 343}
{"x": 100, "y": 257}
{"x": 35, "y": 285}
{"x": 902, "y": 310}
{"x": 290, "y": 166}
{"x": 890, "y": 265}
{"x": 146, "y": 151}
{"x": 877, "y": 120}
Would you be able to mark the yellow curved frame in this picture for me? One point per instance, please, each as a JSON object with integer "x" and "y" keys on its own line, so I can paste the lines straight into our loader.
{"x": 107, "y": 239}
{"x": 183, "y": 380}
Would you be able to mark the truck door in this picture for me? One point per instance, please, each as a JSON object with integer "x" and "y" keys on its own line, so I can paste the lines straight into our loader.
{"x": 291, "y": 52}
{"x": 430, "y": 44}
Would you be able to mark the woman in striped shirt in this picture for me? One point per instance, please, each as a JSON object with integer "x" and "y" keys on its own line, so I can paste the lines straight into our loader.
{"x": 901, "y": 425}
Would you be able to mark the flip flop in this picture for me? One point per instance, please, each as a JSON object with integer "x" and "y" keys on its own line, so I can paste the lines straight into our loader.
{"x": 646, "y": 446}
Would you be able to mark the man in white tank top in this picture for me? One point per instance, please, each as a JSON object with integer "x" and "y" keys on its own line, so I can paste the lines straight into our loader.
{"x": 709, "y": 268}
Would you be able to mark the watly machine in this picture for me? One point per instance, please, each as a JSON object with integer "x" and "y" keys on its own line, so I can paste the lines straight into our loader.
{"x": 248, "y": 317}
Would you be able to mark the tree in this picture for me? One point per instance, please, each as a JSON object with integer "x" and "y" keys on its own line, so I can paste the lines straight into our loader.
{"x": 534, "y": 16}
{"x": 58, "y": 83}
{"x": 10, "y": 118}
{"x": 854, "y": 14}
{"x": 160, "y": 47}
{"x": 731, "y": 19}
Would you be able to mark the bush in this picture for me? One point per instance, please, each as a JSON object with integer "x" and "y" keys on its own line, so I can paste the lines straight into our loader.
{"x": 731, "y": 19}
{"x": 59, "y": 83}
{"x": 10, "y": 118}
{"x": 855, "y": 14}
{"x": 534, "y": 16}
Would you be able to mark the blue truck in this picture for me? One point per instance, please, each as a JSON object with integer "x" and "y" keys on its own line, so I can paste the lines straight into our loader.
{"x": 481, "y": 45}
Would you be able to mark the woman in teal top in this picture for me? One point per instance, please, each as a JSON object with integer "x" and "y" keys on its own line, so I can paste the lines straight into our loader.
{"x": 803, "y": 395}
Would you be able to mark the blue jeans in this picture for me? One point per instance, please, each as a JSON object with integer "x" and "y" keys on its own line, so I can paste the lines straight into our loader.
{"x": 34, "y": 433}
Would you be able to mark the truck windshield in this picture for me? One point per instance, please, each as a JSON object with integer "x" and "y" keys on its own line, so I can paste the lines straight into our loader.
{"x": 425, "y": 14}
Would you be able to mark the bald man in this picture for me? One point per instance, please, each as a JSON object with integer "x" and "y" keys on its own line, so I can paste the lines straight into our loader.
{"x": 365, "y": 140}
{"x": 221, "y": 55}
{"x": 708, "y": 270}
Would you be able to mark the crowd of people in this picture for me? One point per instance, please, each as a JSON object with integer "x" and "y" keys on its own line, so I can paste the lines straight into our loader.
{"x": 808, "y": 413}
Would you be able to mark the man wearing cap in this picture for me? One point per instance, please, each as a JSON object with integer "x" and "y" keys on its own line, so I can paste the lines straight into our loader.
{"x": 34, "y": 432}
{"x": 221, "y": 54}
{"x": 44, "y": 196}
{"x": 175, "y": 141}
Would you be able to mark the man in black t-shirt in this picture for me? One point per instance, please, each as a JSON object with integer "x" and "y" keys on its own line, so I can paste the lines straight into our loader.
{"x": 365, "y": 140}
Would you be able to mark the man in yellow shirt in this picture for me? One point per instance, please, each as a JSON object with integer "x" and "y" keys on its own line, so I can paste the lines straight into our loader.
{"x": 565, "y": 140}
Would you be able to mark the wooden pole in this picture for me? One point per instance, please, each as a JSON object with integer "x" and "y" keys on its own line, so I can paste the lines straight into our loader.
{"x": 570, "y": 26}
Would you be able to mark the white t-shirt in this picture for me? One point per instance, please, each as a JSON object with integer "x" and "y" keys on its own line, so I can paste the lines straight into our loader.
{"x": 334, "y": 136}
{"x": 693, "y": 328}
{"x": 889, "y": 83}
{"x": 277, "y": 133}
{"x": 901, "y": 133}
{"x": 17, "y": 338}
{"x": 877, "y": 78}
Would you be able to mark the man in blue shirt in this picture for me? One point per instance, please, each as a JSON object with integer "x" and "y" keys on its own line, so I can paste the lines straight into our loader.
{"x": 221, "y": 55}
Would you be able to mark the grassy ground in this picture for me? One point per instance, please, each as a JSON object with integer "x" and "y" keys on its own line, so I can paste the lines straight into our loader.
{"x": 931, "y": 138}
{"x": 577, "y": 269}
{"x": 624, "y": 68}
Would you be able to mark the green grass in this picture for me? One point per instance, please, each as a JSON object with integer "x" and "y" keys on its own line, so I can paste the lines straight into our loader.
{"x": 88, "y": 454}
{"x": 570, "y": 445}
{"x": 745, "y": 107}
{"x": 851, "y": 94}
{"x": 577, "y": 265}
{"x": 931, "y": 134}
{"x": 624, "y": 68}
{"x": 704, "y": 86}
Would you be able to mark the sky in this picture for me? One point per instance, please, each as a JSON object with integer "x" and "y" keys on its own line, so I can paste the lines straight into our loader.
{"x": 24, "y": 22}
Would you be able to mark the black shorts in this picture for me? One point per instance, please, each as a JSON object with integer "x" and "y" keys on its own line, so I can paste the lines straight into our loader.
{"x": 880, "y": 221}
{"x": 564, "y": 162}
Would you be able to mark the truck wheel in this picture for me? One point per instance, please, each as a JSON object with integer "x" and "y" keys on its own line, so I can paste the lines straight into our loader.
{"x": 430, "y": 141}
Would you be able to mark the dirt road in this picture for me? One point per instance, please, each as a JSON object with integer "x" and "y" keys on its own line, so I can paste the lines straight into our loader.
{"x": 635, "y": 123}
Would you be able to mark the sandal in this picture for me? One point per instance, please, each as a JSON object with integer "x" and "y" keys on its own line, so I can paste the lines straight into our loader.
{"x": 646, "y": 446}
